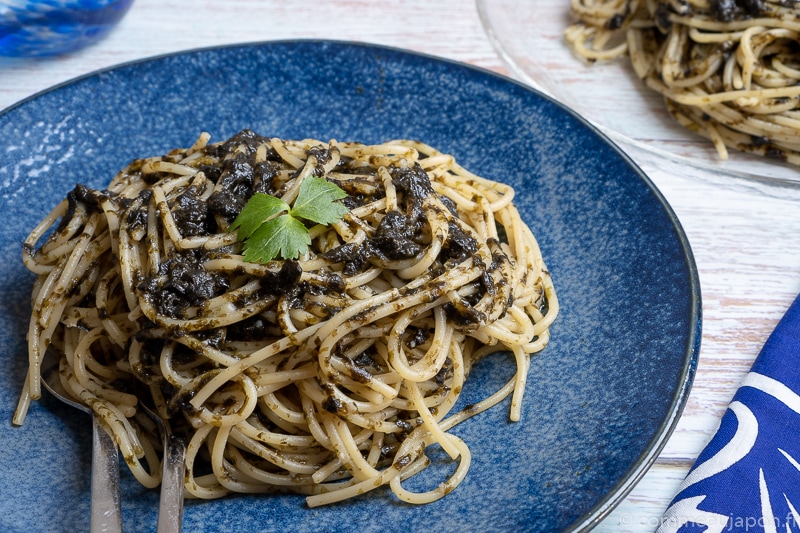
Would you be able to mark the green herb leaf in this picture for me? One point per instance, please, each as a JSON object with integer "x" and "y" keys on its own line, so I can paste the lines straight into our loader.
{"x": 283, "y": 236}
{"x": 316, "y": 201}
{"x": 259, "y": 209}
{"x": 270, "y": 228}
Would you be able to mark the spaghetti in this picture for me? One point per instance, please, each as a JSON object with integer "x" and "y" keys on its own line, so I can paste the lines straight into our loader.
{"x": 727, "y": 69}
{"x": 328, "y": 375}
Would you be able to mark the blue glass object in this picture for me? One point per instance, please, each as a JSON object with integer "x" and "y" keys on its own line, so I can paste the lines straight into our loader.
{"x": 54, "y": 27}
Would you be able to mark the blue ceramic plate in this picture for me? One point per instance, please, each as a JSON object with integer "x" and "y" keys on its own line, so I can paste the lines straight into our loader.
{"x": 602, "y": 398}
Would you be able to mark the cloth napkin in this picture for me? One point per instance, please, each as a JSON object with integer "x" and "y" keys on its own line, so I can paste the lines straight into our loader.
{"x": 747, "y": 479}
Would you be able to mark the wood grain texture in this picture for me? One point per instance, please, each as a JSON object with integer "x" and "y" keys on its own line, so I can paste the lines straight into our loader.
{"x": 744, "y": 236}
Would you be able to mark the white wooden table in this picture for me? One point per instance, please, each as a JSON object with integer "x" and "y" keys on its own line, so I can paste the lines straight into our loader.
{"x": 745, "y": 242}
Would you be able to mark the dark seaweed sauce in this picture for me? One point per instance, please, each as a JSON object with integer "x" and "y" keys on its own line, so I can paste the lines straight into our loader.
{"x": 191, "y": 213}
{"x": 284, "y": 280}
{"x": 459, "y": 246}
{"x": 182, "y": 282}
{"x": 397, "y": 237}
{"x": 618, "y": 20}
{"x": 136, "y": 214}
{"x": 180, "y": 399}
{"x": 414, "y": 337}
{"x": 729, "y": 10}
{"x": 400, "y": 234}
{"x": 183, "y": 286}
{"x": 662, "y": 15}
{"x": 719, "y": 10}
{"x": 80, "y": 196}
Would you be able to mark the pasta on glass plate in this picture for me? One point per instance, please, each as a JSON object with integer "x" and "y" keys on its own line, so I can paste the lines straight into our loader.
{"x": 703, "y": 85}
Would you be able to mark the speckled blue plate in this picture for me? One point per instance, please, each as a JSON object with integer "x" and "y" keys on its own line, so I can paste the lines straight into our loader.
{"x": 602, "y": 398}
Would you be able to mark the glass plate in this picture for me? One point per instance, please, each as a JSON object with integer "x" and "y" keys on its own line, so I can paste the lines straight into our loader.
{"x": 529, "y": 37}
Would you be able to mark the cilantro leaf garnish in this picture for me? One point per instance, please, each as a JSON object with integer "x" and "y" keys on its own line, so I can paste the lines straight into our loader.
{"x": 316, "y": 201}
{"x": 282, "y": 236}
{"x": 270, "y": 228}
{"x": 259, "y": 209}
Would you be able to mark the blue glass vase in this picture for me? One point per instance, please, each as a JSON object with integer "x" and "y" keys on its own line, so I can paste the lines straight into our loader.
{"x": 40, "y": 28}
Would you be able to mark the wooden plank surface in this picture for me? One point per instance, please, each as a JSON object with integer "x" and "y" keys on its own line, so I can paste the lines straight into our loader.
{"x": 744, "y": 236}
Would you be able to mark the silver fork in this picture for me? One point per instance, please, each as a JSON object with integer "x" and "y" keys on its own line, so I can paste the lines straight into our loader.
{"x": 170, "y": 505}
{"x": 106, "y": 514}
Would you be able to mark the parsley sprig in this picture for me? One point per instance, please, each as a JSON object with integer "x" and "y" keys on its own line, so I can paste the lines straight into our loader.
{"x": 270, "y": 228}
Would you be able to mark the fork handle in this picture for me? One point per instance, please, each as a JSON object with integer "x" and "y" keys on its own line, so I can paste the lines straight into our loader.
{"x": 106, "y": 507}
{"x": 170, "y": 510}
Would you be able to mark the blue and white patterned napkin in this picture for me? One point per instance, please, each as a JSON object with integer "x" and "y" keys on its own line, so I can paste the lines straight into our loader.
{"x": 747, "y": 479}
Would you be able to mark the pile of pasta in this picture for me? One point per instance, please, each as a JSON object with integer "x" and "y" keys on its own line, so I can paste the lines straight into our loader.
{"x": 327, "y": 375}
{"x": 727, "y": 69}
